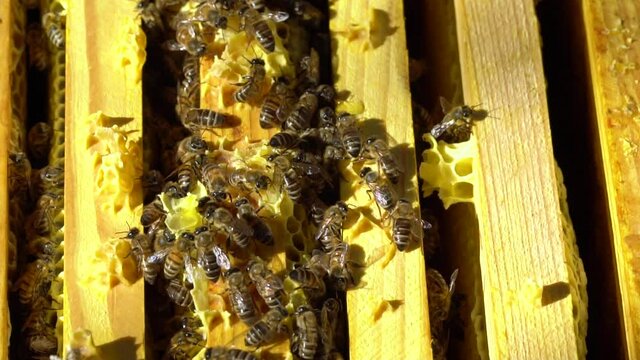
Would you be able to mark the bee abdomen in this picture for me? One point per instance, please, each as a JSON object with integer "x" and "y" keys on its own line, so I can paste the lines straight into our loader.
{"x": 402, "y": 233}
{"x": 292, "y": 185}
{"x": 173, "y": 265}
{"x": 240, "y": 239}
{"x": 352, "y": 143}
{"x": 179, "y": 293}
{"x": 268, "y": 113}
{"x": 210, "y": 266}
{"x": 265, "y": 36}
{"x": 257, "y": 334}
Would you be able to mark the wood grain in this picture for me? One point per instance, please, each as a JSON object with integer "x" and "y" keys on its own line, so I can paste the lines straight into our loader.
{"x": 613, "y": 55}
{"x": 521, "y": 241}
{"x": 97, "y": 80}
{"x": 5, "y": 126}
{"x": 370, "y": 61}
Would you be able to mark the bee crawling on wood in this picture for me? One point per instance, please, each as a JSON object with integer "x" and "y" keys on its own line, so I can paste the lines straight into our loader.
{"x": 378, "y": 149}
{"x": 457, "y": 122}
{"x": 383, "y": 193}
{"x": 347, "y": 125}
{"x": 407, "y": 227}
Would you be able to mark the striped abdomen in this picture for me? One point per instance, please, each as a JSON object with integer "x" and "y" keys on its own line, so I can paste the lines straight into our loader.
{"x": 352, "y": 141}
{"x": 292, "y": 184}
{"x": 208, "y": 263}
{"x": 402, "y": 233}
{"x": 173, "y": 264}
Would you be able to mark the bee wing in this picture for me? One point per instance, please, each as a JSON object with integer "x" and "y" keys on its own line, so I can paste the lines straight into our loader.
{"x": 274, "y": 282}
{"x": 221, "y": 258}
{"x": 189, "y": 269}
{"x": 173, "y": 45}
{"x": 277, "y": 16}
{"x": 158, "y": 256}
{"x": 441, "y": 127}
{"x": 240, "y": 225}
{"x": 452, "y": 282}
{"x": 445, "y": 104}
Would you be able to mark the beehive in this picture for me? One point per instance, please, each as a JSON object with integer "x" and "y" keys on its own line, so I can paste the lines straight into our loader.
{"x": 526, "y": 296}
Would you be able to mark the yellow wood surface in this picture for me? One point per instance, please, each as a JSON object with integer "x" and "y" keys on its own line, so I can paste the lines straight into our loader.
{"x": 613, "y": 54}
{"x": 370, "y": 61}
{"x": 521, "y": 239}
{"x": 5, "y": 126}
{"x": 97, "y": 80}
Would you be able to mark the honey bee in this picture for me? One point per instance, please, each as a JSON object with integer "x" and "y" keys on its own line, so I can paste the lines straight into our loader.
{"x": 284, "y": 140}
{"x": 340, "y": 266}
{"x": 247, "y": 179}
{"x": 150, "y": 15}
{"x": 188, "y": 39}
{"x": 179, "y": 293}
{"x": 43, "y": 247}
{"x": 317, "y": 210}
{"x": 187, "y": 176}
{"x": 256, "y": 25}
{"x": 326, "y": 94}
{"x": 250, "y": 89}
{"x": 266, "y": 329}
{"x": 240, "y": 297}
{"x": 53, "y": 25}
{"x": 327, "y": 117}
{"x": 310, "y": 14}
{"x": 50, "y": 179}
{"x": 384, "y": 195}
{"x": 237, "y": 228}
{"x": 328, "y": 325}
{"x": 20, "y": 177}
{"x": 406, "y": 225}
{"x": 300, "y": 117}
{"x": 142, "y": 248}
{"x": 152, "y": 213}
{"x": 185, "y": 344}
{"x": 304, "y": 342}
{"x": 440, "y": 300}
{"x": 152, "y": 184}
{"x": 191, "y": 68}
{"x": 190, "y": 148}
{"x": 222, "y": 353}
{"x": 203, "y": 119}
{"x": 310, "y": 280}
{"x": 211, "y": 15}
{"x": 162, "y": 239}
{"x": 457, "y": 122}
{"x": 291, "y": 179}
{"x": 35, "y": 281}
{"x": 39, "y": 334}
{"x": 329, "y": 232}
{"x": 174, "y": 190}
{"x": 214, "y": 178}
{"x": 38, "y": 52}
{"x": 187, "y": 97}
{"x": 350, "y": 134}
{"x": 276, "y": 105}
{"x": 261, "y": 230}
{"x": 378, "y": 149}
{"x": 42, "y": 218}
{"x": 269, "y": 285}
{"x": 211, "y": 258}
{"x": 309, "y": 71}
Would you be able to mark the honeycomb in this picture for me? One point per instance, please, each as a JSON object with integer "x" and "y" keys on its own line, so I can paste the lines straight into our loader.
{"x": 448, "y": 169}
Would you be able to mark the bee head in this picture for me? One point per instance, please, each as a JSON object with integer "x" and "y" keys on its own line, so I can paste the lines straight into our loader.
{"x": 200, "y": 230}
{"x": 466, "y": 111}
{"x": 263, "y": 182}
{"x": 365, "y": 170}
{"x": 257, "y": 61}
{"x": 133, "y": 232}
{"x": 342, "y": 206}
{"x": 241, "y": 201}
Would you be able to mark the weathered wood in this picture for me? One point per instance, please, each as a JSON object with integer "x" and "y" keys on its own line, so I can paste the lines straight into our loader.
{"x": 613, "y": 54}
{"x": 388, "y": 314}
{"x": 103, "y": 74}
{"x": 522, "y": 248}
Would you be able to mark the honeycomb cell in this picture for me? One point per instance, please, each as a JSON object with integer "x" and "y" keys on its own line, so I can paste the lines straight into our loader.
{"x": 292, "y": 254}
{"x": 298, "y": 241}
{"x": 463, "y": 190}
{"x": 299, "y": 212}
{"x": 293, "y": 225}
{"x": 464, "y": 167}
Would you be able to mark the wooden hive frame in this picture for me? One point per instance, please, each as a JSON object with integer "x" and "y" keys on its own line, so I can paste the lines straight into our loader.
{"x": 515, "y": 319}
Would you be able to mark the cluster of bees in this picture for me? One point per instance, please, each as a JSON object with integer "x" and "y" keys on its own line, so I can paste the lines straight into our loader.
{"x": 36, "y": 188}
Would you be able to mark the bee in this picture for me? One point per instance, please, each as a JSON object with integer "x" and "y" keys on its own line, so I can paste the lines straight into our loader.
{"x": 305, "y": 338}
{"x": 300, "y": 117}
{"x": 327, "y": 117}
{"x": 276, "y": 105}
{"x": 20, "y": 175}
{"x": 384, "y": 195}
{"x": 39, "y": 334}
{"x": 214, "y": 178}
{"x": 142, "y": 248}
{"x": 292, "y": 181}
{"x": 38, "y": 52}
{"x": 328, "y": 325}
{"x": 340, "y": 266}
{"x": 187, "y": 97}
{"x": 440, "y": 301}
{"x": 248, "y": 178}
{"x": 176, "y": 255}
{"x": 203, "y": 119}
{"x": 49, "y": 179}
{"x": 378, "y": 149}
{"x": 332, "y": 153}
{"x": 211, "y": 15}
{"x": 162, "y": 239}
{"x": 350, "y": 134}
{"x": 191, "y": 68}
{"x": 222, "y": 353}
{"x": 152, "y": 184}
{"x": 150, "y": 15}
{"x": 211, "y": 258}
{"x": 266, "y": 329}
{"x": 261, "y": 230}
{"x": 53, "y": 25}
{"x": 174, "y": 190}
{"x": 187, "y": 176}
{"x": 284, "y": 140}
{"x": 326, "y": 94}
{"x": 309, "y": 71}
{"x": 329, "y": 232}
{"x": 317, "y": 210}
{"x": 406, "y": 225}
{"x": 238, "y": 229}
{"x": 35, "y": 281}
{"x": 152, "y": 213}
{"x": 188, "y": 39}
{"x": 190, "y": 148}
{"x": 457, "y": 122}
{"x": 250, "y": 89}
{"x": 240, "y": 297}
{"x": 310, "y": 280}
{"x": 257, "y": 5}
{"x": 269, "y": 285}
{"x": 179, "y": 293}
{"x": 42, "y": 247}
{"x": 256, "y": 25}
{"x": 309, "y": 13}
{"x": 185, "y": 344}
{"x": 42, "y": 218}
